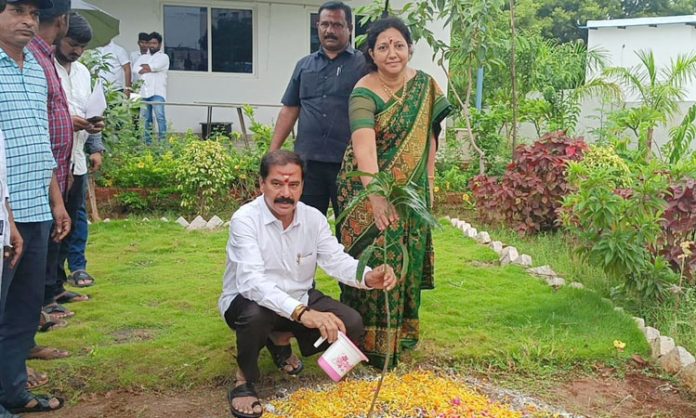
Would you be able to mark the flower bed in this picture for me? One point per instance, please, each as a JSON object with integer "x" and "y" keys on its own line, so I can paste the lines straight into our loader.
{"x": 416, "y": 394}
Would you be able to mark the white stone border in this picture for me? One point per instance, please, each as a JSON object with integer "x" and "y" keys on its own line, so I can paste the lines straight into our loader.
{"x": 672, "y": 358}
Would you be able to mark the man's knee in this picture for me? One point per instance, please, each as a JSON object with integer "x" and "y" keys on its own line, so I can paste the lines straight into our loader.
{"x": 354, "y": 325}
{"x": 253, "y": 317}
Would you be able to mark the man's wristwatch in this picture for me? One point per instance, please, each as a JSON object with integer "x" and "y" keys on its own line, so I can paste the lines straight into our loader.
{"x": 297, "y": 313}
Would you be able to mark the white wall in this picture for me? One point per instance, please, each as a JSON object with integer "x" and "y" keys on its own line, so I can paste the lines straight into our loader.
{"x": 281, "y": 37}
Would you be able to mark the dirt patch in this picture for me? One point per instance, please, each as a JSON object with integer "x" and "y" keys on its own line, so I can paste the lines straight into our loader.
{"x": 634, "y": 395}
{"x": 606, "y": 394}
{"x": 132, "y": 335}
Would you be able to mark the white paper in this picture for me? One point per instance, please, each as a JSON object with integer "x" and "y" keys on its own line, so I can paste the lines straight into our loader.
{"x": 96, "y": 104}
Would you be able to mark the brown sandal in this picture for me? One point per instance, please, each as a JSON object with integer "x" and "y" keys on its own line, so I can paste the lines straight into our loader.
{"x": 40, "y": 352}
{"x": 35, "y": 379}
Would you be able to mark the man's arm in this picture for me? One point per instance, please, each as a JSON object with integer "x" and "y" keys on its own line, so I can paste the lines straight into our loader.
{"x": 61, "y": 220}
{"x": 16, "y": 241}
{"x": 252, "y": 283}
{"x": 287, "y": 117}
{"x": 128, "y": 74}
{"x": 159, "y": 63}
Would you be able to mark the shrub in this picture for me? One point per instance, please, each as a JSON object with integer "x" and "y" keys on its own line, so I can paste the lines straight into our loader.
{"x": 533, "y": 186}
{"x": 132, "y": 202}
{"x": 203, "y": 174}
{"x": 604, "y": 157}
{"x": 679, "y": 226}
{"x": 616, "y": 228}
{"x": 144, "y": 170}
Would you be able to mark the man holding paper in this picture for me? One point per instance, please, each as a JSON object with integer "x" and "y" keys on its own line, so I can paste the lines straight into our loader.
{"x": 86, "y": 106}
{"x": 276, "y": 243}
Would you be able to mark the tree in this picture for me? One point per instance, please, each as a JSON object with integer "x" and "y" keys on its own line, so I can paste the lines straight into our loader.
{"x": 659, "y": 90}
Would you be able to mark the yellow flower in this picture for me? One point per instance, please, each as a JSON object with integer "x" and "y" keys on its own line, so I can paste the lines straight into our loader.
{"x": 141, "y": 165}
{"x": 465, "y": 197}
{"x": 436, "y": 189}
{"x": 686, "y": 248}
{"x": 619, "y": 345}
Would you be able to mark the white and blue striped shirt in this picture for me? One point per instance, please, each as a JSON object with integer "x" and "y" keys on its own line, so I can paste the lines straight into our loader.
{"x": 24, "y": 121}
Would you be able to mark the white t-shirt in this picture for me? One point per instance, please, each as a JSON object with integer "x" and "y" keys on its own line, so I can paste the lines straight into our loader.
{"x": 133, "y": 59}
{"x": 116, "y": 59}
{"x": 78, "y": 87}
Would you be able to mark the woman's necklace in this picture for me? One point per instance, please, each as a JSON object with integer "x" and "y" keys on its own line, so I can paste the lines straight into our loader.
{"x": 390, "y": 92}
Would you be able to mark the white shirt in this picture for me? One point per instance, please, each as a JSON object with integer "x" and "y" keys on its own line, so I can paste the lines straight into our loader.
{"x": 133, "y": 59}
{"x": 154, "y": 83}
{"x": 78, "y": 87}
{"x": 117, "y": 58}
{"x": 4, "y": 191}
{"x": 275, "y": 267}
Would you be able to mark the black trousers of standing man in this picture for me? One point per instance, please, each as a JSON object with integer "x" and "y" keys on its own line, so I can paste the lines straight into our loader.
{"x": 253, "y": 324}
{"x": 320, "y": 186}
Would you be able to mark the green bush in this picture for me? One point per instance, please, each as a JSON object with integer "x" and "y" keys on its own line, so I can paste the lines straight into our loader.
{"x": 600, "y": 157}
{"x": 616, "y": 229}
{"x": 144, "y": 170}
{"x": 203, "y": 173}
{"x": 132, "y": 202}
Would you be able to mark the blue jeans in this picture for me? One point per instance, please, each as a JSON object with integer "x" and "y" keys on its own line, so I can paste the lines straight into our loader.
{"x": 23, "y": 292}
{"x": 146, "y": 115}
{"x": 73, "y": 246}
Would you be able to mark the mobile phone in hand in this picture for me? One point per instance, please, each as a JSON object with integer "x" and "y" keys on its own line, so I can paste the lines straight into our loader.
{"x": 95, "y": 119}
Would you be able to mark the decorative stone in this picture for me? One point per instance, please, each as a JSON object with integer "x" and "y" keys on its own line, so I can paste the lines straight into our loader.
{"x": 640, "y": 322}
{"x": 508, "y": 255}
{"x": 688, "y": 376}
{"x": 524, "y": 260}
{"x": 618, "y": 309}
{"x": 483, "y": 237}
{"x": 661, "y": 346}
{"x": 107, "y": 220}
{"x": 226, "y": 224}
{"x": 181, "y": 221}
{"x": 214, "y": 222}
{"x": 471, "y": 232}
{"x": 651, "y": 334}
{"x": 676, "y": 360}
{"x": 497, "y": 246}
{"x": 576, "y": 285}
{"x": 89, "y": 222}
{"x": 542, "y": 271}
{"x": 164, "y": 219}
{"x": 146, "y": 219}
{"x": 556, "y": 282}
{"x": 198, "y": 223}
{"x": 454, "y": 221}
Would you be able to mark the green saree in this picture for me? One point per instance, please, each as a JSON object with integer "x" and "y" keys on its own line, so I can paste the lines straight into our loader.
{"x": 402, "y": 132}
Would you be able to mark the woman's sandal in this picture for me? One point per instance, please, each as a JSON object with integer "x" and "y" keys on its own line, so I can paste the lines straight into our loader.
{"x": 42, "y": 405}
{"x": 242, "y": 391}
{"x": 280, "y": 355}
{"x": 35, "y": 379}
{"x": 80, "y": 278}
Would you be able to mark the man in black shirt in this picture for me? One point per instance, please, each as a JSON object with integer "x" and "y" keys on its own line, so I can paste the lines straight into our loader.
{"x": 317, "y": 95}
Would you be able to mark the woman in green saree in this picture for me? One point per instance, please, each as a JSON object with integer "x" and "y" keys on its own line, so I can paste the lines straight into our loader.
{"x": 395, "y": 115}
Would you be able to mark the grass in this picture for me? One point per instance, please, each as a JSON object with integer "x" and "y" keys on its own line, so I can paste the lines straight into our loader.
{"x": 555, "y": 250}
{"x": 153, "y": 322}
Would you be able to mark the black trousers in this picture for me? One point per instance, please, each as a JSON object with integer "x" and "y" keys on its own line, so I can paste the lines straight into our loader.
{"x": 253, "y": 324}
{"x": 320, "y": 185}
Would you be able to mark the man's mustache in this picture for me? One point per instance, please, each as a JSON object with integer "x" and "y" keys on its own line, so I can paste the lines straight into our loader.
{"x": 331, "y": 37}
{"x": 287, "y": 200}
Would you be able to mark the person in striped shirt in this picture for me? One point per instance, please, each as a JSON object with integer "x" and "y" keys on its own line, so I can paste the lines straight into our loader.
{"x": 36, "y": 200}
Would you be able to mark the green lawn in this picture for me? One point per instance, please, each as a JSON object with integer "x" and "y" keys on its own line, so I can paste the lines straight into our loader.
{"x": 153, "y": 321}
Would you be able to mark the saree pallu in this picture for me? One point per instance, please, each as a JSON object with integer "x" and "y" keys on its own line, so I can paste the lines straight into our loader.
{"x": 403, "y": 129}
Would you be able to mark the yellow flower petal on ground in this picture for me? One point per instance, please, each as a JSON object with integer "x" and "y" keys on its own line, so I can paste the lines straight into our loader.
{"x": 413, "y": 394}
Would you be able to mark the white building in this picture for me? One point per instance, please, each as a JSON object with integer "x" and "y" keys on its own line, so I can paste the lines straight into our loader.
{"x": 248, "y": 59}
{"x": 620, "y": 39}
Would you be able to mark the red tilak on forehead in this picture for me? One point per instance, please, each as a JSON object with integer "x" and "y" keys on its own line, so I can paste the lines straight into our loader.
{"x": 286, "y": 179}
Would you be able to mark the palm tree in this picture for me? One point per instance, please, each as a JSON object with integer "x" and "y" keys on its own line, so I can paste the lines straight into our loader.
{"x": 659, "y": 91}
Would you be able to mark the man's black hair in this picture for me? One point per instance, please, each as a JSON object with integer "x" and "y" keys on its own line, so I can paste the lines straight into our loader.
{"x": 279, "y": 158}
{"x": 79, "y": 29}
{"x": 143, "y": 36}
{"x": 339, "y": 5}
{"x": 3, "y": 3}
{"x": 60, "y": 8}
{"x": 155, "y": 35}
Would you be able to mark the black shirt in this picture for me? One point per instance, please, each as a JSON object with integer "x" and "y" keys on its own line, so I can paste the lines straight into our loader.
{"x": 321, "y": 87}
